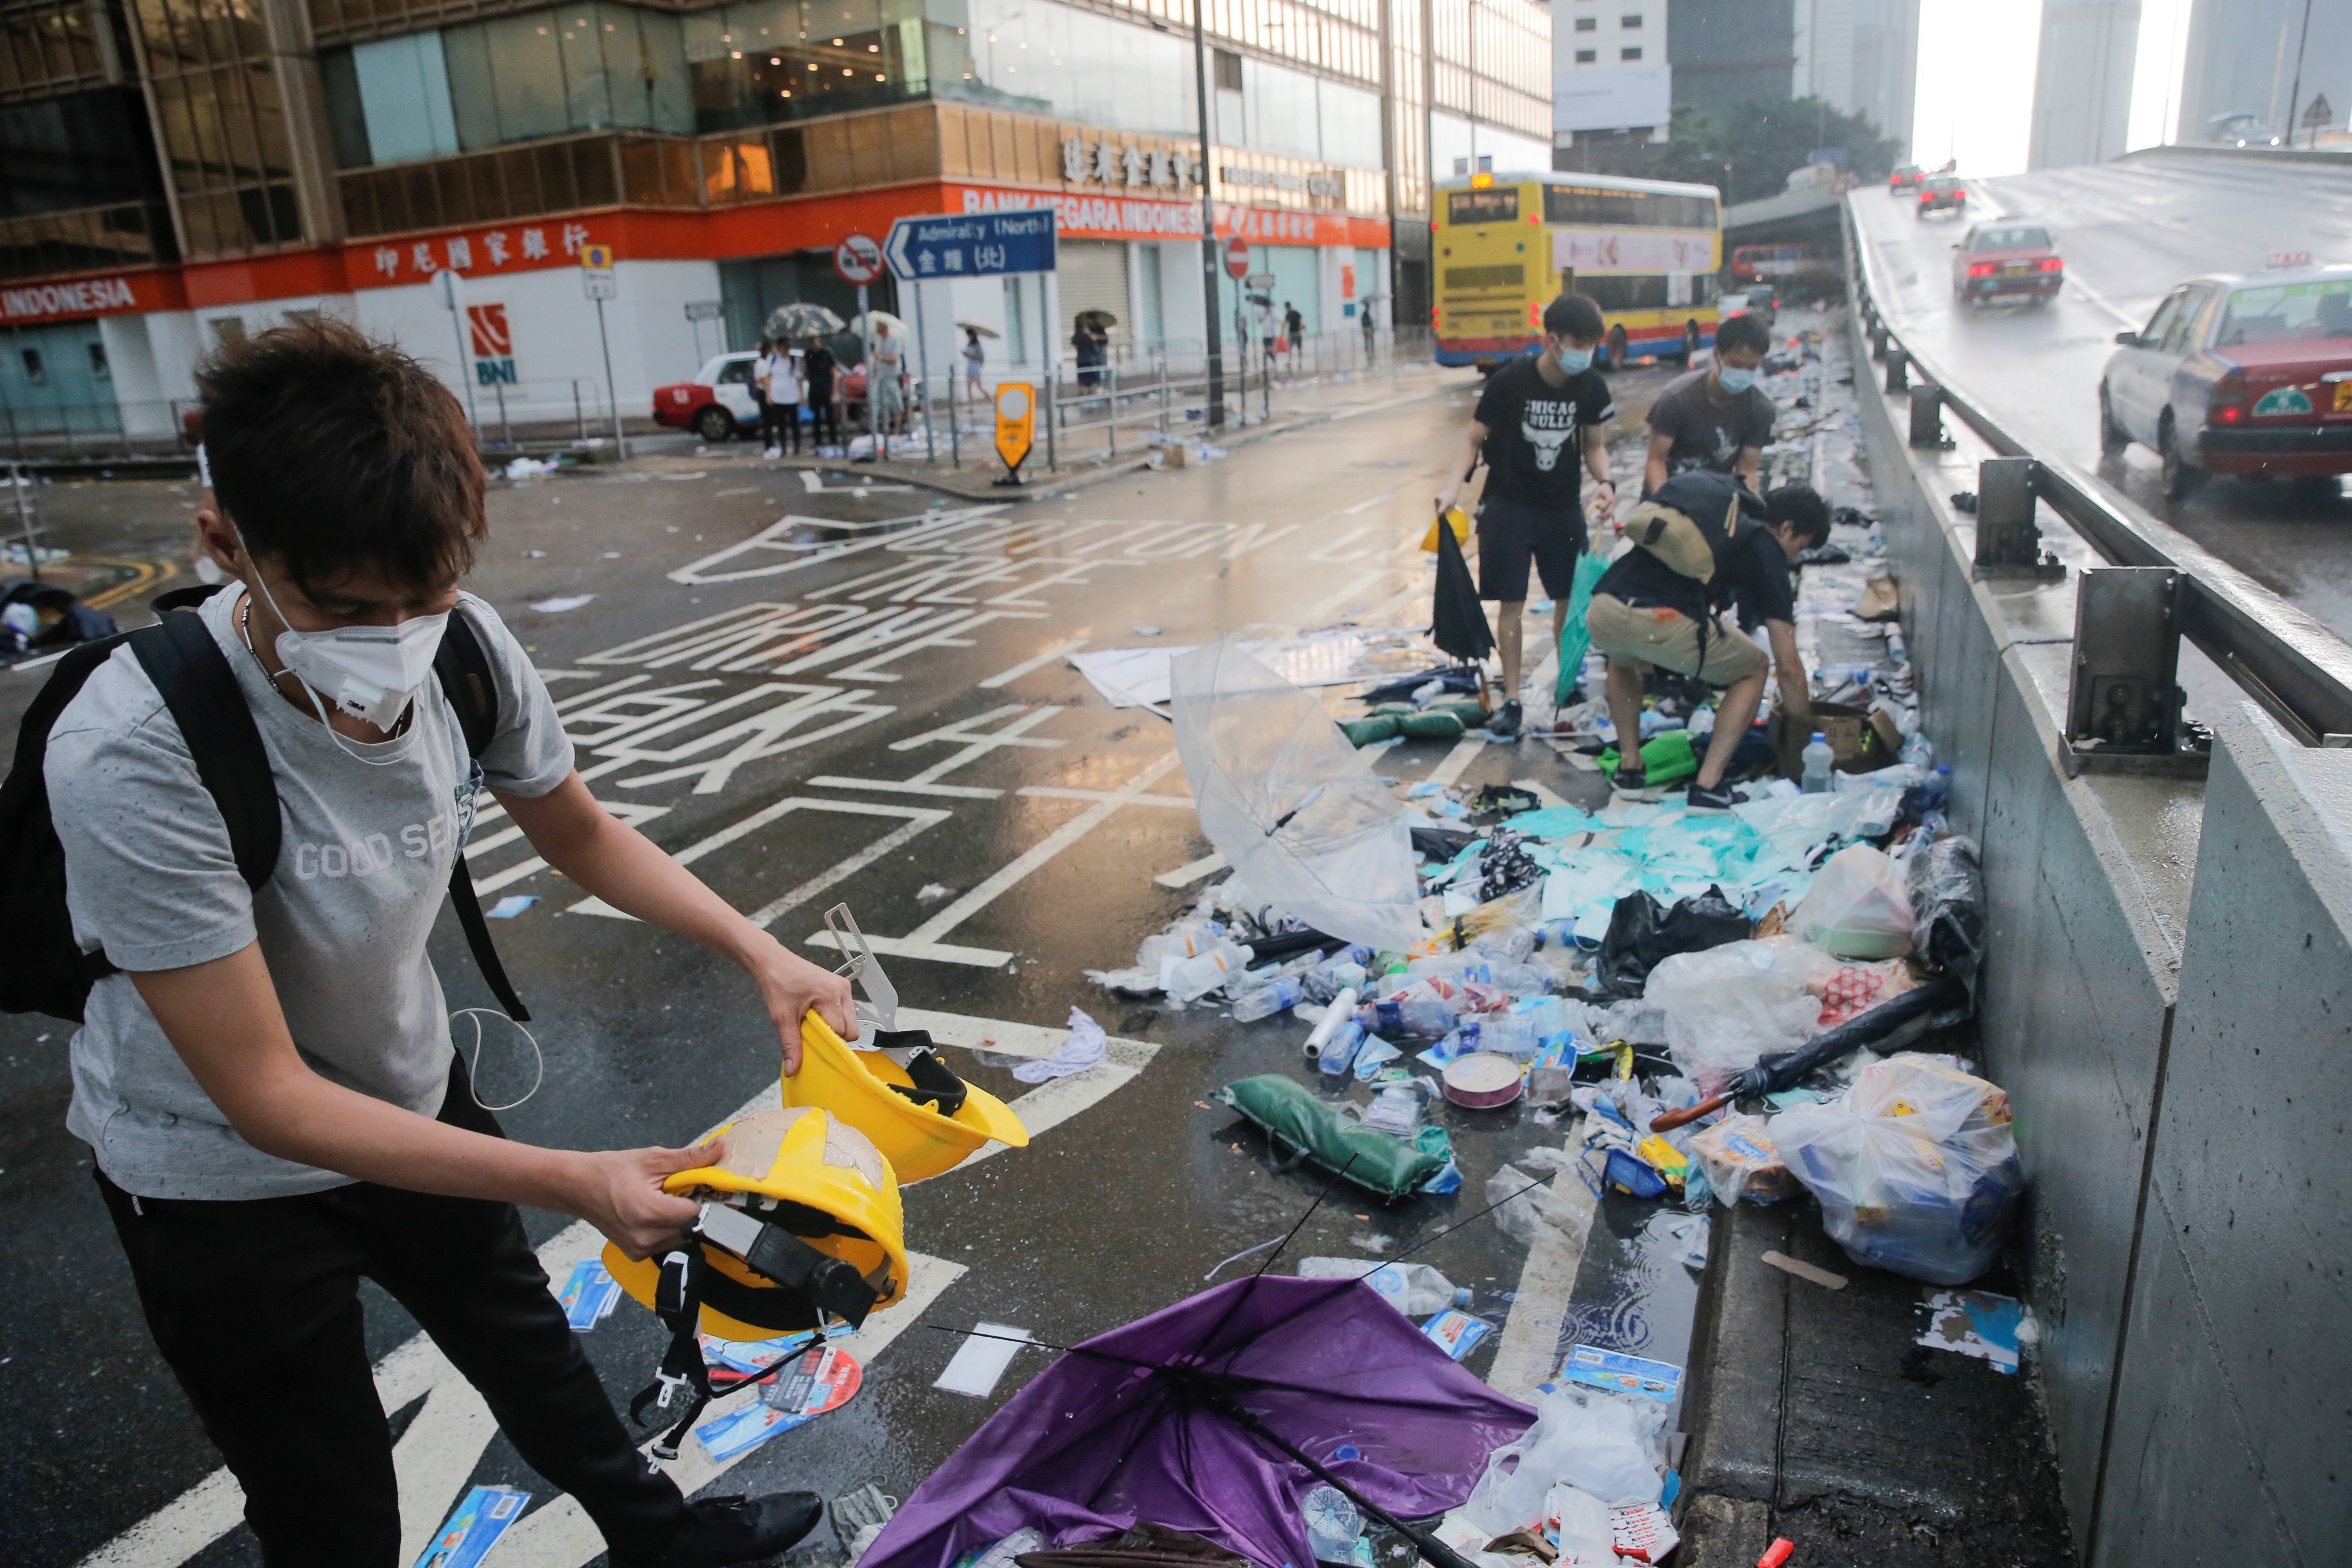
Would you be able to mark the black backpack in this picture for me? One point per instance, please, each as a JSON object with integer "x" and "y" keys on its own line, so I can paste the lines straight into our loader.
{"x": 42, "y": 968}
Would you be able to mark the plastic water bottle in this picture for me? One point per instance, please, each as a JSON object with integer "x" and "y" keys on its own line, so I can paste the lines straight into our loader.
{"x": 1333, "y": 1525}
{"x": 1416, "y": 1290}
{"x": 1277, "y": 996}
{"x": 1416, "y": 1018}
{"x": 1184, "y": 938}
{"x": 1919, "y": 752}
{"x": 1190, "y": 979}
{"x": 1819, "y": 759}
{"x": 1337, "y": 1055}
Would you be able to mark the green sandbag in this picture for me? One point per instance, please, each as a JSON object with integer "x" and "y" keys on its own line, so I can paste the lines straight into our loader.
{"x": 1364, "y": 731}
{"x": 1433, "y": 724}
{"x": 1294, "y": 1119}
{"x": 1468, "y": 710}
{"x": 1666, "y": 758}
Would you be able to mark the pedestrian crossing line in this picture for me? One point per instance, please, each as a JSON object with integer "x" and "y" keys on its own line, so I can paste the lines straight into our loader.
{"x": 1528, "y": 1352}
{"x": 437, "y": 1456}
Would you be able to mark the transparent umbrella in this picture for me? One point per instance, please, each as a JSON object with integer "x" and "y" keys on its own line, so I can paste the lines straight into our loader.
{"x": 801, "y": 320}
{"x": 1292, "y": 806}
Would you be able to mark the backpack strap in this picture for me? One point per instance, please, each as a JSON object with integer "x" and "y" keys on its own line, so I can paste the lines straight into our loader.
{"x": 462, "y": 667}
{"x": 194, "y": 677}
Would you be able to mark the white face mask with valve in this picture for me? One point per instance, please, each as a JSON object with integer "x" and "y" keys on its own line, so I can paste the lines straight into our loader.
{"x": 371, "y": 673}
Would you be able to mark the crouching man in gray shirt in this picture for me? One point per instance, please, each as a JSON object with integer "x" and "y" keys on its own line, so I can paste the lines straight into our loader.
{"x": 268, "y": 1082}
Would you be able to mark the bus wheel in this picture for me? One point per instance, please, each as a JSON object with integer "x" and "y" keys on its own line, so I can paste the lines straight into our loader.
{"x": 1690, "y": 340}
{"x": 1616, "y": 360}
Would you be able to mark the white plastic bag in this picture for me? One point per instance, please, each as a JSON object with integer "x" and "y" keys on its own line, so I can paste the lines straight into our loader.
{"x": 1577, "y": 1524}
{"x": 1593, "y": 1442}
{"x": 1727, "y": 1005}
{"x": 1915, "y": 1167}
{"x": 1859, "y": 907}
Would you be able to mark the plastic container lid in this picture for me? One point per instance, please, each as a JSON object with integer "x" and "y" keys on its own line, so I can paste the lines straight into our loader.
{"x": 1819, "y": 735}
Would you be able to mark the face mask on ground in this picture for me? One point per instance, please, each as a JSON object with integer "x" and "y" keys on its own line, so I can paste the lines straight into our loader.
{"x": 1576, "y": 362}
{"x": 370, "y": 672}
{"x": 1734, "y": 379}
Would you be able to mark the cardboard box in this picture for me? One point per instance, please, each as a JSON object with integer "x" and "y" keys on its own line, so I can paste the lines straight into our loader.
{"x": 1864, "y": 742}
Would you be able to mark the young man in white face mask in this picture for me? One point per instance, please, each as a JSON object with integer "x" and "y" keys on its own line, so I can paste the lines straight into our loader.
{"x": 268, "y": 1084}
{"x": 1716, "y": 419}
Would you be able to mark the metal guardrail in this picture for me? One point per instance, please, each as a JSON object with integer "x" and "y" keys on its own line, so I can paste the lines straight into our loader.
{"x": 2297, "y": 670}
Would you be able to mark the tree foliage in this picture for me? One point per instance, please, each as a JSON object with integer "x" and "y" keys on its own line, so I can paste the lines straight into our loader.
{"x": 1750, "y": 152}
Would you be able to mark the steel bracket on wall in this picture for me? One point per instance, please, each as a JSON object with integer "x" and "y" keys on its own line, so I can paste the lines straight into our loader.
{"x": 2123, "y": 704}
{"x": 2008, "y": 539}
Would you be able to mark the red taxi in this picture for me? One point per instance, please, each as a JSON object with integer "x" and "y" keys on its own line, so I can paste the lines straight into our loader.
{"x": 2246, "y": 376}
{"x": 1997, "y": 260}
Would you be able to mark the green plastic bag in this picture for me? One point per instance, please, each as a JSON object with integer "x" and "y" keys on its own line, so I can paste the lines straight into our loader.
{"x": 1294, "y": 1119}
{"x": 1666, "y": 758}
{"x": 1575, "y": 640}
{"x": 1364, "y": 731}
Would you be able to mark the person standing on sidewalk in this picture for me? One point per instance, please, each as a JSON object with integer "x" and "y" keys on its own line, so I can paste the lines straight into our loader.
{"x": 777, "y": 376}
{"x": 823, "y": 395}
{"x": 1294, "y": 327}
{"x": 1541, "y": 426}
{"x": 267, "y": 1082}
{"x": 975, "y": 367}
{"x": 886, "y": 389}
{"x": 1716, "y": 419}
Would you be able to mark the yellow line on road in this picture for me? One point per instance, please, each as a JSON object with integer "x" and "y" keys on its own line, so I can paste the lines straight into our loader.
{"x": 143, "y": 575}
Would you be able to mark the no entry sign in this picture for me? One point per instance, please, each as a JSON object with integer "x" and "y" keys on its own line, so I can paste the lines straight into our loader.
{"x": 1237, "y": 258}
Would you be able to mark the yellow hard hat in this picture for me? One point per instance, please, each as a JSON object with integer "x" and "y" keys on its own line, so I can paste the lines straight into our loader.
{"x": 801, "y": 1224}
{"x": 924, "y": 1119}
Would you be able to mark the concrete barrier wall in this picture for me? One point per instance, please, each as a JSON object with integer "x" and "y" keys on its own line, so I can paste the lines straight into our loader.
{"x": 2079, "y": 967}
{"x": 2233, "y": 1432}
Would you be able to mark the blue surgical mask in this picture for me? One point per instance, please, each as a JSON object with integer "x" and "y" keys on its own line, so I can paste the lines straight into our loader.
{"x": 1576, "y": 362}
{"x": 1734, "y": 379}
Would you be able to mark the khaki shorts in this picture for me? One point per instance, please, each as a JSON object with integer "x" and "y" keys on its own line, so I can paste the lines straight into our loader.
{"x": 1670, "y": 639}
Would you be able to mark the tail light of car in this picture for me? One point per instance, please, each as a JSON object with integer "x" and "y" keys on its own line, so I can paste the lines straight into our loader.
{"x": 2050, "y": 264}
{"x": 1981, "y": 269}
{"x": 2227, "y": 405}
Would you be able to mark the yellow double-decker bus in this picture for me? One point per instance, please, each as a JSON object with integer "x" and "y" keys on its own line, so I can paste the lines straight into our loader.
{"x": 1646, "y": 251}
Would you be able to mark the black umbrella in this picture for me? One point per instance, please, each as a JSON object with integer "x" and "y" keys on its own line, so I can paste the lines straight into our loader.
{"x": 1457, "y": 621}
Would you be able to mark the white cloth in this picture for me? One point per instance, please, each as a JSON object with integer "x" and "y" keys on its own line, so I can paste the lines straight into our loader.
{"x": 781, "y": 376}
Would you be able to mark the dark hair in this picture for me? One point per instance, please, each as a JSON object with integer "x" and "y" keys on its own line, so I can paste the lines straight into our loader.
{"x": 334, "y": 454}
{"x": 1743, "y": 332}
{"x": 1801, "y": 505}
{"x": 1574, "y": 316}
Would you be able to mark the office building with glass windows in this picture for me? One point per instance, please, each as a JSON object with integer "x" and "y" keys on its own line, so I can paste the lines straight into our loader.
{"x": 178, "y": 171}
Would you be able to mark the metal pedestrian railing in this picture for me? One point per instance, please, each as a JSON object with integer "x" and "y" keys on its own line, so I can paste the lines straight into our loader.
{"x": 2297, "y": 670}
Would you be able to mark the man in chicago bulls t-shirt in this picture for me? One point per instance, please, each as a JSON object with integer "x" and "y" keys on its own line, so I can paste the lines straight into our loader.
{"x": 1539, "y": 426}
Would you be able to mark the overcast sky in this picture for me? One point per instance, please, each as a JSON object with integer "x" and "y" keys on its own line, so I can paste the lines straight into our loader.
{"x": 1976, "y": 103}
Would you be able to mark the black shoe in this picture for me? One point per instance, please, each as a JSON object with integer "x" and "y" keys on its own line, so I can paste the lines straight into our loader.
{"x": 1506, "y": 722}
{"x": 1630, "y": 785}
{"x": 1702, "y": 798}
{"x": 724, "y": 1530}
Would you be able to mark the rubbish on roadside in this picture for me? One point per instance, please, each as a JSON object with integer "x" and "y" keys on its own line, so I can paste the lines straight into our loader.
{"x": 1890, "y": 1024}
{"x": 1727, "y": 1005}
{"x": 1292, "y": 808}
{"x": 861, "y": 1512}
{"x": 1456, "y": 1331}
{"x": 1662, "y": 1157}
{"x": 1859, "y": 906}
{"x": 1006, "y": 1552}
{"x": 930, "y": 892}
{"x": 982, "y": 1359}
{"x": 562, "y": 603}
{"x": 1524, "y": 1216}
{"x": 1483, "y": 1081}
{"x": 1631, "y": 1175}
{"x": 1577, "y": 1526}
{"x": 1666, "y": 759}
{"x": 1803, "y": 1271}
{"x": 1741, "y": 1162}
{"x": 589, "y": 1296}
{"x": 1396, "y": 1109}
{"x": 513, "y": 904}
{"x": 1173, "y": 1428}
{"x": 1645, "y": 931}
{"x": 1947, "y": 907}
{"x": 1916, "y": 1166}
{"x": 1416, "y": 1290}
{"x": 1597, "y": 1443}
{"x": 1778, "y": 1553}
{"x": 1879, "y": 601}
{"x": 1613, "y": 1371}
{"x": 1643, "y": 1534}
{"x": 824, "y": 1380}
{"x": 1334, "y": 1527}
{"x": 1085, "y": 1047}
{"x": 1297, "y": 1122}
{"x": 474, "y": 1525}
{"x": 1976, "y": 1323}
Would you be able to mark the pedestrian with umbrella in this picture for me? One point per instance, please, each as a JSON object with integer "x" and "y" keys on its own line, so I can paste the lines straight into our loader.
{"x": 975, "y": 360}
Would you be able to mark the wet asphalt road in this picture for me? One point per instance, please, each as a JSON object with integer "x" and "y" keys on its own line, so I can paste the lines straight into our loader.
{"x": 861, "y": 657}
{"x": 2130, "y": 232}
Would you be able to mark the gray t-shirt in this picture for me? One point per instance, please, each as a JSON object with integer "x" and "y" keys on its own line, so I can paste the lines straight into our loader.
{"x": 362, "y": 867}
{"x": 1706, "y": 435}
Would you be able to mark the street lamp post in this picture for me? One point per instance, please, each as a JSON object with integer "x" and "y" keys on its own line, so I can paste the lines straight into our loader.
{"x": 1216, "y": 394}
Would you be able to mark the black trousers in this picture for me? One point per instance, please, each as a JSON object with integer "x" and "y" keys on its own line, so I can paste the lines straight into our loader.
{"x": 780, "y": 425}
{"x": 254, "y": 1304}
{"x": 825, "y": 421}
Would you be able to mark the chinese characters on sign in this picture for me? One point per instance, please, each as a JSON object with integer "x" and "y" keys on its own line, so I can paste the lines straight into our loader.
{"x": 1128, "y": 168}
{"x": 1276, "y": 180}
{"x": 538, "y": 246}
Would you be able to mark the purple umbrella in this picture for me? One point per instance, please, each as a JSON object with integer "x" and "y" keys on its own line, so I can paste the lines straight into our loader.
{"x": 1216, "y": 1415}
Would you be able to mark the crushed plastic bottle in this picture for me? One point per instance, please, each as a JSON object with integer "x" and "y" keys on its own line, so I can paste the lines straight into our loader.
{"x": 1416, "y": 1290}
{"x": 1919, "y": 752}
{"x": 1410, "y": 1017}
{"x": 1333, "y": 1525}
{"x": 1337, "y": 1055}
{"x": 1184, "y": 938}
{"x": 1820, "y": 758}
{"x": 1190, "y": 979}
{"x": 1276, "y": 997}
